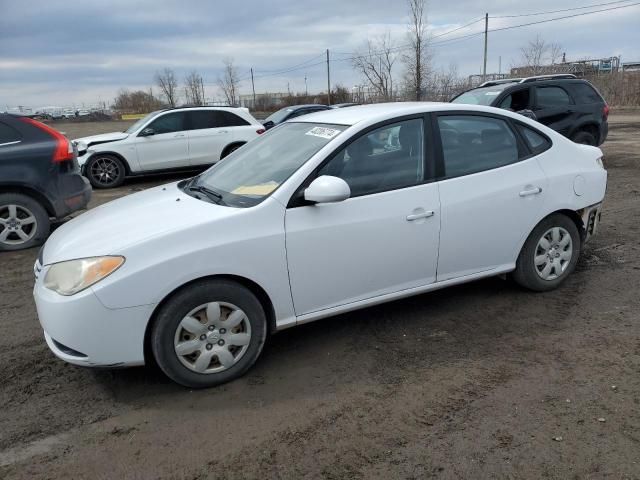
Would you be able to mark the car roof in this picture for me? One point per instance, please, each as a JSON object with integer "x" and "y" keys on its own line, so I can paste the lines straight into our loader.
{"x": 377, "y": 111}
{"x": 296, "y": 107}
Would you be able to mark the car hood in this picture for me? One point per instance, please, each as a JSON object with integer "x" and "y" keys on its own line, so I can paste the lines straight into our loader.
{"x": 102, "y": 138}
{"x": 114, "y": 226}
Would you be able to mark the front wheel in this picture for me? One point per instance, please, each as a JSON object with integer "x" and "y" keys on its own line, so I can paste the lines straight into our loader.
{"x": 549, "y": 255}
{"x": 209, "y": 333}
{"x": 105, "y": 171}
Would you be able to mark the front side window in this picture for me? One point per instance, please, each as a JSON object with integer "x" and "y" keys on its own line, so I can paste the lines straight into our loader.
{"x": 473, "y": 143}
{"x": 139, "y": 123}
{"x": 169, "y": 123}
{"x": 252, "y": 173}
{"x": 387, "y": 158}
{"x": 516, "y": 101}
{"x": 552, "y": 97}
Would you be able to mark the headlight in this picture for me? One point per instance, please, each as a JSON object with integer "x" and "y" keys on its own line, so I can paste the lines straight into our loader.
{"x": 69, "y": 278}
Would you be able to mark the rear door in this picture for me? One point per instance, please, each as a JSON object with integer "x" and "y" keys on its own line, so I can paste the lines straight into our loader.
{"x": 491, "y": 192}
{"x": 554, "y": 108}
{"x": 168, "y": 147}
{"x": 208, "y": 135}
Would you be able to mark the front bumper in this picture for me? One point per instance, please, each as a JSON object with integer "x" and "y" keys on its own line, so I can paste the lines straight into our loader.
{"x": 79, "y": 329}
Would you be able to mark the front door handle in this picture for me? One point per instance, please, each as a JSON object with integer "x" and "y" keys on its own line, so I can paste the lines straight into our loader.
{"x": 178, "y": 135}
{"x": 531, "y": 191}
{"x": 418, "y": 216}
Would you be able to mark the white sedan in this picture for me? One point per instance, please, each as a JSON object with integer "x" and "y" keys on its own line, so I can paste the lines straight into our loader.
{"x": 328, "y": 213}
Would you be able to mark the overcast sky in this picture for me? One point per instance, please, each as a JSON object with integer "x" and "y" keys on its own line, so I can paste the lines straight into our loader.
{"x": 70, "y": 52}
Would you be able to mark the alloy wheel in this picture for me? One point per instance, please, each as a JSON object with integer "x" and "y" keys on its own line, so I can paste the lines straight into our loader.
{"x": 553, "y": 253}
{"x": 18, "y": 224}
{"x": 105, "y": 170}
{"x": 212, "y": 337}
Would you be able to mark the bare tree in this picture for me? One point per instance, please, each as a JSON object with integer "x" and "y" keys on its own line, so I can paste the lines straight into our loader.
{"x": 537, "y": 53}
{"x": 136, "y": 102}
{"x": 168, "y": 84}
{"x": 194, "y": 89}
{"x": 418, "y": 61}
{"x": 375, "y": 64}
{"x": 230, "y": 81}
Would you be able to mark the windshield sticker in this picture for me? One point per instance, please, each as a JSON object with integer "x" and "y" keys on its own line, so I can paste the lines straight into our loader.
{"x": 493, "y": 94}
{"x": 323, "y": 132}
{"x": 263, "y": 189}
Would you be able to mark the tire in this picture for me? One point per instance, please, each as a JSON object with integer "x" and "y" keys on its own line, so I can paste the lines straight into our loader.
{"x": 584, "y": 137}
{"x": 105, "y": 171}
{"x": 24, "y": 223}
{"x": 190, "y": 321}
{"x": 230, "y": 150}
{"x": 534, "y": 259}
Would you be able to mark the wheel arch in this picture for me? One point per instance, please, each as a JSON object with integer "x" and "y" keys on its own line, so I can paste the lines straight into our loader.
{"x": 30, "y": 192}
{"x": 589, "y": 127}
{"x": 573, "y": 215}
{"x": 127, "y": 167}
{"x": 251, "y": 285}
{"x": 225, "y": 150}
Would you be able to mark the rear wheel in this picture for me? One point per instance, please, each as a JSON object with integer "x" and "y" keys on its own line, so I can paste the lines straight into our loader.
{"x": 24, "y": 223}
{"x": 105, "y": 171}
{"x": 209, "y": 333}
{"x": 230, "y": 149}
{"x": 584, "y": 137}
{"x": 549, "y": 255}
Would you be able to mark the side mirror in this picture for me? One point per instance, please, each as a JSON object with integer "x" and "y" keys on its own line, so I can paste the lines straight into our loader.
{"x": 327, "y": 189}
{"x": 268, "y": 125}
{"x": 147, "y": 132}
{"x": 528, "y": 113}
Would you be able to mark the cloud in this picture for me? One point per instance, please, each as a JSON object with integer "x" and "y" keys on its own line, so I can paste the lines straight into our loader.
{"x": 73, "y": 51}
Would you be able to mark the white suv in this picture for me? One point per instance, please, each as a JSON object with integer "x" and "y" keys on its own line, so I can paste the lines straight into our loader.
{"x": 171, "y": 139}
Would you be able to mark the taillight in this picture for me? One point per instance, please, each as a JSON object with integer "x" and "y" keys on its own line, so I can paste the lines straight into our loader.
{"x": 64, "y": 150}
{"x": 605, "y": 111}
{"x": 260, "y": 131}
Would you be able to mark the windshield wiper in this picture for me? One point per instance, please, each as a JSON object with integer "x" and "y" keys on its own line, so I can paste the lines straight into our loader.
{"x": 212, "y": 195}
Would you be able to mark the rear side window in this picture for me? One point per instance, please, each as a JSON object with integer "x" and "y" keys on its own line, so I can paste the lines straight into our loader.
{"x": 585, "y": 93}
{"x": 168, "y": 123}
{"x": 537, "y": 143}
{"x": 214, "y": 119}
{"x": 8, "y": 134}
{"x": 552, "y": 97}
{"x": 473, "y": 143}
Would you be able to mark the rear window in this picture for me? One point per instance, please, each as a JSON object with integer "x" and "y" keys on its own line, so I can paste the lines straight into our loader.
{"x": 202, "y": 119}
{"x": 8, "y": 134}
{"x": 585, "y": 93}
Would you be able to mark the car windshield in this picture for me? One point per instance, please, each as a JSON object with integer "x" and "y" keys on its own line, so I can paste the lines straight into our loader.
{"x": 279, "y": 116}
{"x": 480, "y": 96}
{"x": 141, "y": 122}
{"x": 253, "y": 172}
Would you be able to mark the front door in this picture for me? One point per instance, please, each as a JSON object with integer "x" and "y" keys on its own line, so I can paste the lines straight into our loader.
{"x": 554, "y": 108}
{"x": 383, "y": 239}
{"x": 491, "y": 195}
{"x": 168, "y": 147}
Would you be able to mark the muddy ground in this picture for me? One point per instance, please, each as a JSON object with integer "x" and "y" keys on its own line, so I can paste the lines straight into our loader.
{"x": 483, "y": 380}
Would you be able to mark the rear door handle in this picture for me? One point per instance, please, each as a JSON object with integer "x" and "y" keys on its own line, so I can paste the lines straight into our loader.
{"x": 418, "y": 216}
{"x": 531, "y": 191}
{"x": 178, "y": 135}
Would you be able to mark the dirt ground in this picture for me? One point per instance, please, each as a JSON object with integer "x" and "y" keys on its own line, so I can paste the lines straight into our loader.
{"x": 478, "y": 381}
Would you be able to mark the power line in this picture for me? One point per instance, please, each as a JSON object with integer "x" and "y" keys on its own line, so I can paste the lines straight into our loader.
{"x": 558, "y": 11}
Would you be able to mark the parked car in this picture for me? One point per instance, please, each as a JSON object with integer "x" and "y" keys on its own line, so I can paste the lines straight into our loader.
{"x": 312, "y": 220}
{"x": 288, "y": 113}
{"x": 172, "y": 139}
{"x": 568, "y": 105}
{"x": 39, "y": 180}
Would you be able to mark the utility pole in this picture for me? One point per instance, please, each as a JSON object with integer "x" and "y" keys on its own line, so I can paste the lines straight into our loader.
{"x": 486, "y": 31}
{"x": 306, "y": 90}
{"x": 328, "y": 80}
{"x": 500, "y": 65}
{"x": 253, "y": 88}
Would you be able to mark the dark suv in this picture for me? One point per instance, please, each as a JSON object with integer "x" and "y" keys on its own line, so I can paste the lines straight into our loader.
{"x": 570, "y": 106}
{"x": 39, "y": 180}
